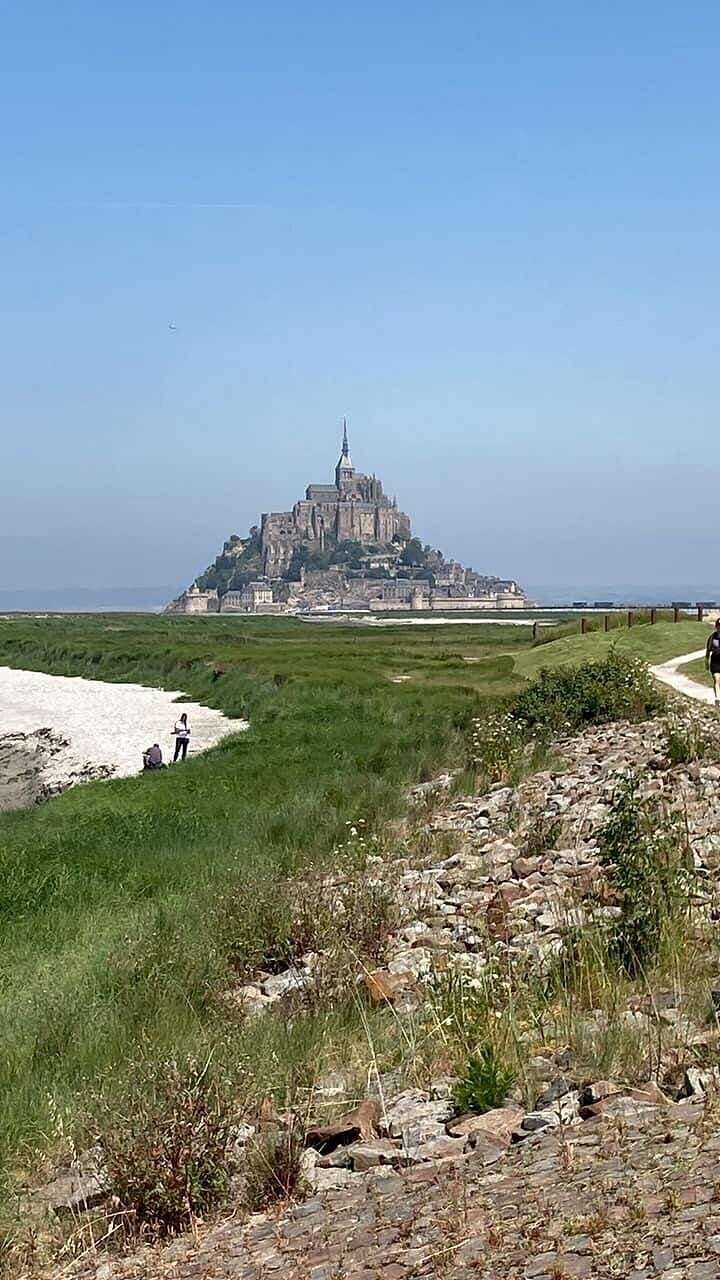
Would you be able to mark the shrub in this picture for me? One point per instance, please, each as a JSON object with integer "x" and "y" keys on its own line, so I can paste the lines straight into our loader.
{"x": 274, "y": 1167}
{"x": 564, "y": 699}
{"x": 647, "y": 850}
{"x": 561, "y": 700}
{"x": 485, "y": 1082}
{"x": 169, "y": 1156}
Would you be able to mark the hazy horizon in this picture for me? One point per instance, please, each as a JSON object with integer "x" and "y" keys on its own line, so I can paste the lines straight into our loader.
{"x": 484, "y": 233}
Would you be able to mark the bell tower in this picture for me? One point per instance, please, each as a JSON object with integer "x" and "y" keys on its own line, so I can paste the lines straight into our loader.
{"x": 344, "y": 471}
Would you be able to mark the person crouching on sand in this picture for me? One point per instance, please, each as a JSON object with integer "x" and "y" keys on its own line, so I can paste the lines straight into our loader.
{"x": 712, "y": 659}
{"x": 182, "y": 737}
{"x": 152, "y": 757}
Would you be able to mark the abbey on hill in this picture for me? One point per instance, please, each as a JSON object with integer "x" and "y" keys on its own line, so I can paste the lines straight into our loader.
{"x": 353, "y": 509}
{"x": 344, "y": 545}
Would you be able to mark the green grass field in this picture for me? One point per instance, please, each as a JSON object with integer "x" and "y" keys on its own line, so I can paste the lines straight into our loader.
{"x": 697, "y": 671}
{"x": 112, "y": 950}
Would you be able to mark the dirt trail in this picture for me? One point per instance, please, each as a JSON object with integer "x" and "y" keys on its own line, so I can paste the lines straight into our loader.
{"x": 668, "y": 673}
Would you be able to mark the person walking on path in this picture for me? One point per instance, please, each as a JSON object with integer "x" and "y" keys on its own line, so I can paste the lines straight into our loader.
{"x": 182, "y": 736}
{"x": 712, "y": 659}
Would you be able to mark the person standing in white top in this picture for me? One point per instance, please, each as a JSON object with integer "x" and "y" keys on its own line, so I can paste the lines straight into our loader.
{"x": 182, "y": 737}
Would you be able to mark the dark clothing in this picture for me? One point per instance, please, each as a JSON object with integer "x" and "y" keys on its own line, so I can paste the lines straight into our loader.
{"x": 712, "y": 650}
{"x": 152, "y": 758}
{"x": 181, "y": 745}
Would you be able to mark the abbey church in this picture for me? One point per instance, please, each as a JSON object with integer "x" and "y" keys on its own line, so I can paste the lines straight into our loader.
{"x": 343, "y": 546}
{"x": 353, "y": 509}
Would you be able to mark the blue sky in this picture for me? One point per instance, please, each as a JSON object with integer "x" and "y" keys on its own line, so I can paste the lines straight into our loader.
{"x": 485, "y": 232}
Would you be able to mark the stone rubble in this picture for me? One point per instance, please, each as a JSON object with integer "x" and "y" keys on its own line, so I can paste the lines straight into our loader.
{"x": 635, "y": 1197}
{"x": 497, "y": 893}
{"x": 632, "y": 1166}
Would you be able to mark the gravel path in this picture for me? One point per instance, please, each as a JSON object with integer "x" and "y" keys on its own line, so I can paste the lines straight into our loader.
{"x": 668, "y": 673}
{"x": 102, "y": 728}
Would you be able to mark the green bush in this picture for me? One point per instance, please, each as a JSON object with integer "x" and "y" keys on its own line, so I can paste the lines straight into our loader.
{"x": 564, "y": 699}
{"x": 485, "y": 1082}
{"x": 515, "y": 738}
{"x": 647, "y": 850}
{"x": 168, "y": 1155}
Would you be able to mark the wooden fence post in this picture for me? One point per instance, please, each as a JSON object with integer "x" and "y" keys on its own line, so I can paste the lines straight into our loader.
{"x": 583, "y": 626}
{"x": 630, "y": 617}
{"x": 653, "y": 616}
{"x": 676, "y": 614}
{"x": 535, "y": 630}
{"x": 606, "y": 623}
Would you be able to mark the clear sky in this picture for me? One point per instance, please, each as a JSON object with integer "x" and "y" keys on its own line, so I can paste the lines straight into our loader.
{"x": 485, "y": 231}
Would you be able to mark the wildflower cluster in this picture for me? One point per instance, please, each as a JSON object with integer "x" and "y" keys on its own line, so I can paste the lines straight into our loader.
{"x": 498, "y": 745}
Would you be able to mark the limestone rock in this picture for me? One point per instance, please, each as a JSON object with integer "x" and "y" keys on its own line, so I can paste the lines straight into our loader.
{"x": 497, "y": 1124}
{"x": 367, "y": 1155}
{"x": 415, "y": 1118}
{"x": 76, "y": 1189}
{"x": 536, "y": 1120}
{"x": 362, "y": 1123}
{"x": 281, "y": 984}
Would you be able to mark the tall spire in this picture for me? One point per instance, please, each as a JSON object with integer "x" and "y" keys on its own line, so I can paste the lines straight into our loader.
{"x": 344, "y": 470}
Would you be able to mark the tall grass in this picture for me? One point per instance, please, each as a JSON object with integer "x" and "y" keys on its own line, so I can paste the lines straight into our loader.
{"x": 115, "y": 953}
{"x": 113, "y": 947}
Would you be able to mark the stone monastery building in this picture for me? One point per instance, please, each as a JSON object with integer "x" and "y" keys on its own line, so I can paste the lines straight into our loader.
{"x": 354, "y": 508}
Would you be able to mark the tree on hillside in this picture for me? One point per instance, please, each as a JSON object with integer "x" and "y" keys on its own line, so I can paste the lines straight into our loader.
{"x": 349, "y": 553}
{"x": 414, "y": 555}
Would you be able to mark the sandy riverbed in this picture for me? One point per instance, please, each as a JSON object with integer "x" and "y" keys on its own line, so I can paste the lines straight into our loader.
{"x": 56, "y": 731}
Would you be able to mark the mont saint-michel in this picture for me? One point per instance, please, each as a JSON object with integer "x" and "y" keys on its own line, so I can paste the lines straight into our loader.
{"x": 344, "y": 545}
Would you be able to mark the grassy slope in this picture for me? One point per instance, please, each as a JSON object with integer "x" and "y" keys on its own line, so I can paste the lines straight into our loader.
{"x": 110, "y": 945}
{"x": 108, "y": 894}
{"x": 654, "y": 644}
{"x": 696, "y": 670}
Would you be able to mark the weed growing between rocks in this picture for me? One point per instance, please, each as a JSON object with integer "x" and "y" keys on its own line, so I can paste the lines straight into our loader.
{"x": 689, "y": 738}
{"x": 168, "y": 1157}
{"x": 646, "y": 849}
{"x": 542, "y": 833}
{"x": 273, "y": 1168}
{"x": 485, "y": 1082}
